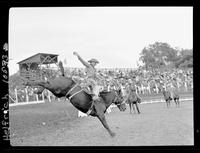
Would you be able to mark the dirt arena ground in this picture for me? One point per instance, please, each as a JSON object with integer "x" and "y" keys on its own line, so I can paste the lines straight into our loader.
{"x": 57, "y": 124}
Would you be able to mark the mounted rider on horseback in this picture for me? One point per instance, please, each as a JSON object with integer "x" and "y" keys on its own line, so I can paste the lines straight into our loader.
{"x": 92, "y": 77}
{"x": 131, "y": 93}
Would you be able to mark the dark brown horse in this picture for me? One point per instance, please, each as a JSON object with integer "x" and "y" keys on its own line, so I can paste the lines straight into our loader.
{"x": 170, "y": 95}
{"x": 133, "y": 101}
{"x": 66, "y": 87}
{"x": 131, "y": 98}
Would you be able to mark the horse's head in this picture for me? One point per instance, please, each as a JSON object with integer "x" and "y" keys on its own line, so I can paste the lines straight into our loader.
{"x": 119, "y": 100}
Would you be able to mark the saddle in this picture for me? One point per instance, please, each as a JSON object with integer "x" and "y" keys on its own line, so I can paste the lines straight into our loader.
{"x": 87, "y": 88}
{"x": 88, "y": 91}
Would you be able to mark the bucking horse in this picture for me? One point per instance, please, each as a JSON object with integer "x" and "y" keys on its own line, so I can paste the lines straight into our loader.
{"x": 63, "y": 86}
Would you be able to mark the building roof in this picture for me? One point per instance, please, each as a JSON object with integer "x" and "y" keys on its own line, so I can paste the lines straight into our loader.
{"x": 42, "y": 58}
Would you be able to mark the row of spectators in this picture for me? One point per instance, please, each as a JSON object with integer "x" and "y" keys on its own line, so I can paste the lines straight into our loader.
{"x": 145, "y": 81}
{"x": 141, "y": 78}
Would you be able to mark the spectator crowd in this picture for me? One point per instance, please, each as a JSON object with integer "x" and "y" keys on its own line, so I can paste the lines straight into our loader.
{"x": 145, "y": 81}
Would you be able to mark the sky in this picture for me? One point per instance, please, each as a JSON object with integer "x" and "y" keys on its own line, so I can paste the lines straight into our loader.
{"x": 115, "y": 36}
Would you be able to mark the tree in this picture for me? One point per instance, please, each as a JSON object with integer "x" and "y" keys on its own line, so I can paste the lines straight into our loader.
{"x": 185, "y": 59}
{"x": 158, "y": 55}
{"x": 15, "y": 81}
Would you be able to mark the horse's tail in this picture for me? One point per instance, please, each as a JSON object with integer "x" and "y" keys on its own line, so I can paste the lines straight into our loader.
{"x": 61, "y": 68}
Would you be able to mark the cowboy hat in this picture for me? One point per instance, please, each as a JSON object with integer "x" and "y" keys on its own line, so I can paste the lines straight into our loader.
{"x": 93, "y": 60}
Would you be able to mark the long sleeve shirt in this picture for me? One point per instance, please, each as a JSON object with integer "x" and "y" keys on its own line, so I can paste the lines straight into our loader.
{"x": 90, "y": 70}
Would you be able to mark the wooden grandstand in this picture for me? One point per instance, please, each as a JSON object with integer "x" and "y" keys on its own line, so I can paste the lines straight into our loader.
{"x": 32, "y": 67}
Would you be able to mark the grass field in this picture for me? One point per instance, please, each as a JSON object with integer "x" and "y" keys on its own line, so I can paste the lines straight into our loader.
{"x": 57, "y": 124}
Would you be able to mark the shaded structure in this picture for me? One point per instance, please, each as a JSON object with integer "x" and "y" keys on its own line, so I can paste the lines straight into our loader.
{"x": 37, "y": 66}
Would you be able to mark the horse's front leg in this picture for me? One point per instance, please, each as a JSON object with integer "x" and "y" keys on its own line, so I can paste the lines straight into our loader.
{"x": 136, "y": 104}
{"x": 130, "y": 107}
{"x": 178, "y": 102}
{"x": 167, "y": 101}
{"x": 102, "y": 118}
{"x": 133, "y": 108}
{"x": 175, "y": 102}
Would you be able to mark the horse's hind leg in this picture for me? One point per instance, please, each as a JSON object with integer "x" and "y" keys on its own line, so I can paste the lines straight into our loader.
{"x": 137, "y": 108}
{"x": 102, "y": 118}
{"x": 133, "y": 108}
{"x": 130, "y": 107}
{"x": 178, "y": 102}
{"x": 167, "y": 102}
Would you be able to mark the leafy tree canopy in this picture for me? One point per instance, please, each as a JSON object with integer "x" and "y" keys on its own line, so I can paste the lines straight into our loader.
{"x": 159, "y": 55}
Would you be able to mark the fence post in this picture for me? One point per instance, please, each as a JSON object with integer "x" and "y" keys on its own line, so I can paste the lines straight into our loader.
{"x": 149, "y": 88}
{"x": 156, "y": 88}
{"x": 27, "y": 100}
{"x": 186, "y": 89}
{"x": 191, "y": 85}
{"x": 16, "y": 95}
{"x": 43, "y": 96}
{"x": 178, "y": 86}
{"x": 49, "y": 97}
{"x": 165, "y": 86}
{"x": 142, "y": 89}
{"x": 37, "y": 97}
{"x": 136, "y": 89}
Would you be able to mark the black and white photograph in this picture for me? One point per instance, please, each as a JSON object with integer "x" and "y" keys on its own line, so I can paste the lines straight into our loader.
{"x": 100, "y": 76}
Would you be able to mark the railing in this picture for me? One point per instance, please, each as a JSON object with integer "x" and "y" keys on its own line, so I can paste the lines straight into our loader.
{"x": 146, "y": 90}
{"x": 26, "y": 96}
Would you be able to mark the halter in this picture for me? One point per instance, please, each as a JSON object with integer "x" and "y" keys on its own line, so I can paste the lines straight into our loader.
{"x": 124, "y": 102}
{"x": 116, "y": 99}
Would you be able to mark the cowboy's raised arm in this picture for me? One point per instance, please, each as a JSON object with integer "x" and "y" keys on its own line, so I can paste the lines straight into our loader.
{"x": 82, "y": 60}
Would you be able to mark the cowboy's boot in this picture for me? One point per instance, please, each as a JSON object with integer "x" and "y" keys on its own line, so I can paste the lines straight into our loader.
{"x": 96, "y": 94}
{"x": 94, "y": 98}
